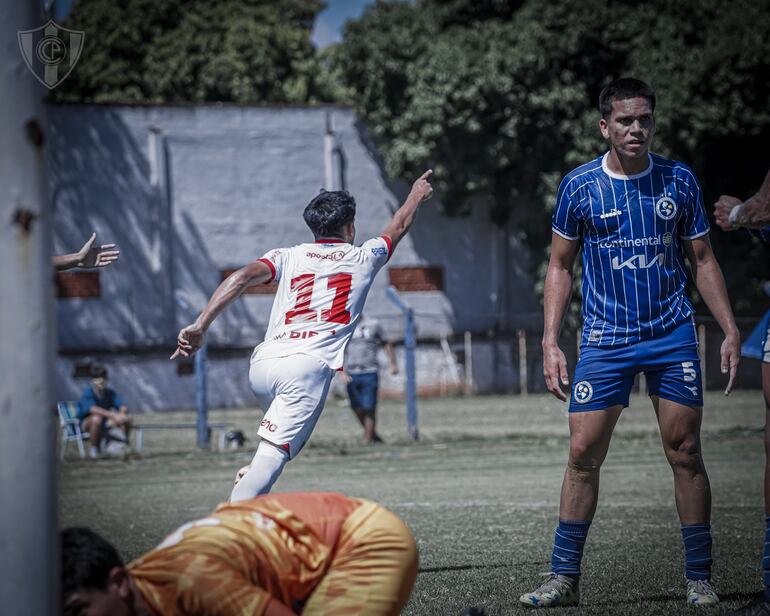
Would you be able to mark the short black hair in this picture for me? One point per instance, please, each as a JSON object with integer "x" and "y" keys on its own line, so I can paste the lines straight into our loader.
{"x": 87, "y": 559}
{"x": 622, "y": 89}
{"x": 97, "y": 371}
{"x": 328, "y": 212}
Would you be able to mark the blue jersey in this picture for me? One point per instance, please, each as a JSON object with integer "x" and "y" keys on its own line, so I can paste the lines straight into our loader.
{"x": 109, "y": 400}
{"x": 632, "y": 228}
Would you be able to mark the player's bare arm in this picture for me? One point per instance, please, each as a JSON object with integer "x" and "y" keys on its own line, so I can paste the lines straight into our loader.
{"x": 88, "y": 256}
{"x": 190, "y": 338}
{"x": 731, "y": 213}
{"x": 391, "y": 353}
{"x": 558, "y": 286}
{"x": 711, "y": 285}
{"x": 404, "y": 216}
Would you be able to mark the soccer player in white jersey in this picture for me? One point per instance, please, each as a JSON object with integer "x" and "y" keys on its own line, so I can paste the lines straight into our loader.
{"x": 637, "y": 216}
{"x": 754, "y": 214}
{"x": 322, "y": 287}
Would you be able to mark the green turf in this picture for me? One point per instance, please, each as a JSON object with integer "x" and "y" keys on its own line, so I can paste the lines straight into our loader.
{"x": 480, "y": 492}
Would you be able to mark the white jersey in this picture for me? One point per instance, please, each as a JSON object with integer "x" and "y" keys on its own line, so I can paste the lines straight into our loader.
{"x": 322, "y": 288}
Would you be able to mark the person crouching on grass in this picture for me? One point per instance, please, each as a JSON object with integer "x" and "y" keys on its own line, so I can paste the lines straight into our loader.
{"x": 276, "y": 555}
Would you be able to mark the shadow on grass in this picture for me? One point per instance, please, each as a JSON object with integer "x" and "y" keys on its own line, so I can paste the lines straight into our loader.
{"x": 475, "y": 567}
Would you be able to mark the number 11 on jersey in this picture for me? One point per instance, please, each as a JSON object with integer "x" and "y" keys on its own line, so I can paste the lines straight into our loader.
{"x": 336, "y": 313}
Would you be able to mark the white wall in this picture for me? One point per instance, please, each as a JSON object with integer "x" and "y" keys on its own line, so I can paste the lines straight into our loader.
{"x": 189, "y": 191}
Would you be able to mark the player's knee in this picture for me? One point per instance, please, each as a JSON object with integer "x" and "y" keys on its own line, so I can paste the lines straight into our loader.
{"x": 582, "y": 459}
{"x": 684, "y": 453}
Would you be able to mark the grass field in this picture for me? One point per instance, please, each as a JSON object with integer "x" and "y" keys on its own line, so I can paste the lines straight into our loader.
{"x": 480, "y": 492}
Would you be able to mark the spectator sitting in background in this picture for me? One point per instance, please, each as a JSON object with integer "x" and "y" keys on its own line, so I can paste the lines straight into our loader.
{"x": 361, "y": 376}
{"x": 100, "y": 407}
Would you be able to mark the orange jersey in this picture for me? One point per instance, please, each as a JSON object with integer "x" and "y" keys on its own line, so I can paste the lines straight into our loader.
{"x": 233, "y": 561}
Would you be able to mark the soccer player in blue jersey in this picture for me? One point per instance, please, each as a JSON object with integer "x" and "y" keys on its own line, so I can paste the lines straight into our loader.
{"x": 754, "y": 214}
{"x": 637, "y": 216}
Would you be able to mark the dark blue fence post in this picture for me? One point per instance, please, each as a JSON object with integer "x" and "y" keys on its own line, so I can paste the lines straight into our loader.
{"x": 201, "y": 398}
{"x": 410, "y": 344}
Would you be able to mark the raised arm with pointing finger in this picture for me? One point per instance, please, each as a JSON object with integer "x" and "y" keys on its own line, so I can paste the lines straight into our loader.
{"x": 404, "y": 216}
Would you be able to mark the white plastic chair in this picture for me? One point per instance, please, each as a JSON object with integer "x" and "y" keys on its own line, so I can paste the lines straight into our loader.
{"x": 70, "y": 427}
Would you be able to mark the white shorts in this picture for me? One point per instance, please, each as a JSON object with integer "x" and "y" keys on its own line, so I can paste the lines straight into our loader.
{"x": 293, "y": 390}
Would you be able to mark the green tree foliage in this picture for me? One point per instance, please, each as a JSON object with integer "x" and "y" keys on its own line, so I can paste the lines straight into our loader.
{"x": 241, "y": 51}
{"x": 500, "y": 98}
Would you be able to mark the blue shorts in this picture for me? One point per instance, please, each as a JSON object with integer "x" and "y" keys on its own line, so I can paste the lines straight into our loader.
{"x": 604, "y": 377}
{"x": 362, "y": 391}
{"x": 757, "y": 345}
{"x": 766, "y": 345}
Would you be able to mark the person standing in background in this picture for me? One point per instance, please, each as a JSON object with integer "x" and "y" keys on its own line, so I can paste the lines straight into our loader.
{"x": 361, "y": 374}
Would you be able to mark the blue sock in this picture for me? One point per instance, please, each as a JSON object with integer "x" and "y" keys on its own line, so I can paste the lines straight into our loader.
{"x": 697, "y": 551}
{"x": 766, "y": 560}
{"x": 568, "y": 542}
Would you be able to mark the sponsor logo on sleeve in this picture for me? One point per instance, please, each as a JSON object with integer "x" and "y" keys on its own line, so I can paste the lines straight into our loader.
{"x": 379, "y": 252}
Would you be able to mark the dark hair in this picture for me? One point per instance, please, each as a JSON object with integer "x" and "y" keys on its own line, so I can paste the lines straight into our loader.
{"x": 86, "y": 561}
{"x": 622, "y": 89}
{"x": 327, "y": 213}
{"x": 97, "y": 371}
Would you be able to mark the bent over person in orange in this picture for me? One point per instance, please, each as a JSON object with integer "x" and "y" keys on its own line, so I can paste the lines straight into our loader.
{"x": 277, "y": 555}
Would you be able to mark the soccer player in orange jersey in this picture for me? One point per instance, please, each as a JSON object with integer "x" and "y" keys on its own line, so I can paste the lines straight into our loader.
{"x": 277, "y": 555}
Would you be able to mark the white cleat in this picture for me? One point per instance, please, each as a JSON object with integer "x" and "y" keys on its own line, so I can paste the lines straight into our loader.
{"x": 557, "y": 590}
{"x": 701, "y": 594}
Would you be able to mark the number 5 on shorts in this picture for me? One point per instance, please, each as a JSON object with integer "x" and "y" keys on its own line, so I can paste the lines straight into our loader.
{"x": 689, "y": 371}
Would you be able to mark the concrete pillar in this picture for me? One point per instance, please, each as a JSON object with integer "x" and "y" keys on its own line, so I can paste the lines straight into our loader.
{"x": 28, "y": 533}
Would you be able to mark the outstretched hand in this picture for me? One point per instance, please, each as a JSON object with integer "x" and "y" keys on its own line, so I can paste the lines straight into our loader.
{"x": 96, "y": 256}
{"x": 422, "y": 188}
{"x": 189, "y": 340}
